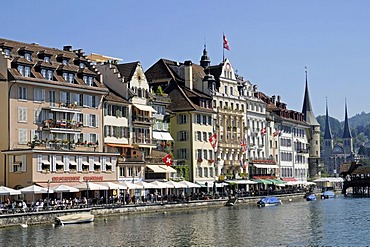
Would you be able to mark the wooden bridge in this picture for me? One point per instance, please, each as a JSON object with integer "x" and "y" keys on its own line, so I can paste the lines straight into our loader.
{"x": 357, "y": 177}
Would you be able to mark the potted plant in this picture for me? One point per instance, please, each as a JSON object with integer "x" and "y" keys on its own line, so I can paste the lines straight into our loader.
{"x": 199, "y": 160}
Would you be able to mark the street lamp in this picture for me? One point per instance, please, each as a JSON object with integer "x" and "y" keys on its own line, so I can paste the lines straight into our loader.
{"x": 47, "y": 202}
{"x": 87, "y": 192}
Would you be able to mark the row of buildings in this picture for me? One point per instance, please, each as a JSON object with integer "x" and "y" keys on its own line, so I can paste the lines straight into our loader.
{"x": 69, "y": 117}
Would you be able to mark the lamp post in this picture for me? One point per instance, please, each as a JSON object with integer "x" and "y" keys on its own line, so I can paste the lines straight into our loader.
{"x": 87, "y": 192}
{"x": 47, "y": 202}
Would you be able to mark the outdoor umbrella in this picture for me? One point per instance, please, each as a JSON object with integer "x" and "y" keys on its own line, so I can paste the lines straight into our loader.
{"x": 5, "y": 191}
{"x": 190, "y": 184}
{"x": 64, "y": 188}
{"x": 90, "y": 186}
{"x": 113, "y": 186}
{"x": 35, "y": 189}
{"x": 146, "y": 185}
{"x": 162, "y": 185}
{"x": 130, "y": 185}
{"x": 175, "y": 185}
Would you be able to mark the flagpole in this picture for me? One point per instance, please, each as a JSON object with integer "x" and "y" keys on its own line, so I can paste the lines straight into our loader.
{"x": 223, "y": 48}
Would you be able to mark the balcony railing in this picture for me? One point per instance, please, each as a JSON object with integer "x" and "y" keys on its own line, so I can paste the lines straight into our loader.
{"x": 143, "y": 140}
{"x": 61, "y": 124}
{"x": 141, "y": 119}
{"x": 62, "y": 145}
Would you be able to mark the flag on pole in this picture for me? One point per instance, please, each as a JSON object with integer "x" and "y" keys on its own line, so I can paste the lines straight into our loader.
{"x": 277, "y": 132}
{"x": 213, "y": 141}
{"x": 226, "y": 43}
{"x": 241, "y": 163}
{"x": 263, "y": 131}
{"x": 167, "y": 160}
{"x": 243, "y": 146}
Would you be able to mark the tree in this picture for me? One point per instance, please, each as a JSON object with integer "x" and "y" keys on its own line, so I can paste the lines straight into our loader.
{"x": 159, "y": 90}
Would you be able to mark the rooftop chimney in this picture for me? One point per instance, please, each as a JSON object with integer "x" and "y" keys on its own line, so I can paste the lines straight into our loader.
{"x": 188, "y": 74}
{"x": 67, "y": 48}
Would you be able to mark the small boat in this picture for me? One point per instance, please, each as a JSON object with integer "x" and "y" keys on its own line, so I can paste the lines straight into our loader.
{"x": 231, "y": 201}
{"x": 74, "y": 219}
{"x": 328, "y": 194}
{"x": 268, "y": 201}
{"x": 311, "y": 197}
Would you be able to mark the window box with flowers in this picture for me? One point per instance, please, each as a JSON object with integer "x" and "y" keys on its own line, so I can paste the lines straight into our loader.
{"x": 211, "y": 161}
{"x": 199, "y": 160}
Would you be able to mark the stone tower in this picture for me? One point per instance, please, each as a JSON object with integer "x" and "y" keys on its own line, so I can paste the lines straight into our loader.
{"x": 313, "y": 135}
{"x": 328, "y": 137}
{"x": 347, "y": 137}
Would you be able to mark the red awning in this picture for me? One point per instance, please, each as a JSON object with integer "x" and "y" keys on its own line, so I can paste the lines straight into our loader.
{"x": 264, "y": 177}
{"x": 289, "y": 179}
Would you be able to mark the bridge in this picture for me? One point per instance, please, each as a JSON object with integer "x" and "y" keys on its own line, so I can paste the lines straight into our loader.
{"x": 357, "y": 177}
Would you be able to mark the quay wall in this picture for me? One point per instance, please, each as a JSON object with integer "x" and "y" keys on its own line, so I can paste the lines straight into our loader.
{"x": 48, "y": 217}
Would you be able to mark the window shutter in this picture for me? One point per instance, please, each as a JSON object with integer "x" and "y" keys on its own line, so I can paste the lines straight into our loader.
{"x": 105, "y": 130}
{"x": 39, "y": 162}
{"x": 187, "y": 135}
{"x": 11, "y": 167}
{"x": 86, "y": 137}
{"x": 97, "y": 139}
{"x": 103, "y": 165}
{"x": 96, "y": 120}
{"x": 24, "y": 163}
{"x": 113, "y": 161}
{"x": 43, "y": 95}
{"x": 79, "y": 163}
{"x": 84, "y": 97}
{"x": 97, "y": 101}
{"x": 20, "y": 114}
{"x": 33, "y": 133}
{"x": 66, "y": 163}
{"x": 91, "y": 166}
{"x": 86, "y": 118}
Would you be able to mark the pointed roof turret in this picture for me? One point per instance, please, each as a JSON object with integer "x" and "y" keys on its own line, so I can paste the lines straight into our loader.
{"x": 327, "y": 134}
{"x": 309, "y": 116}
{"x": 205, "y": 60}
{"x": 346, "y": 132}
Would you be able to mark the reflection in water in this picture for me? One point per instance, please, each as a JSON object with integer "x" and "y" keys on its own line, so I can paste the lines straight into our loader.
{"x": 340, "y": 221}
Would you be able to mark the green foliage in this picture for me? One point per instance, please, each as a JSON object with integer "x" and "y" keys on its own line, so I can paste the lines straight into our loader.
{"x": 159, "y": 90}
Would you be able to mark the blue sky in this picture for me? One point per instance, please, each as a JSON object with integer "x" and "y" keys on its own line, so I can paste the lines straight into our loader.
{"x": 270, "y": 41}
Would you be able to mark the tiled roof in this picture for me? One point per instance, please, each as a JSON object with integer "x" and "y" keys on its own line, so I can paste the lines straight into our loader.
{"x": 127, "y": 70}
{"x": 38, "y": 51}
{"x": 113, "y": 96}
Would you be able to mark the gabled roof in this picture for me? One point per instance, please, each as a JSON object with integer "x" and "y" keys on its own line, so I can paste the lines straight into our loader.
{"x": 115, "y": 97}
{"x": 127, "y": 70}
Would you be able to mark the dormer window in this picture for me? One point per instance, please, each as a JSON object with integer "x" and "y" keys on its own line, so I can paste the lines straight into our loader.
{"x": 65, "y": 62}
{"x": 47, "y": 74}
{"x": 7, "y": 52}
{"x": 27, "y": 56}
{"x": 82, "y": 65}
{"x": 71, "y": 78}
{"x": 24, "y": 70}
{"x": 89, "y": 80}
{"x": 47, "y": 59}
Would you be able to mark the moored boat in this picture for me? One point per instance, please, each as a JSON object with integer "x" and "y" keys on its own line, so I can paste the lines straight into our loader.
{"x": 311, "y": 197}
{"x": 328, "y": 194}
{"x": 231, "y": 201}
{"x": 74, "y": 219}
{"x": 268, "y": 201}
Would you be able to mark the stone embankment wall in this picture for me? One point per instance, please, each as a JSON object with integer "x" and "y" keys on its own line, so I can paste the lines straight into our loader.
{"x": 48, "y": 217}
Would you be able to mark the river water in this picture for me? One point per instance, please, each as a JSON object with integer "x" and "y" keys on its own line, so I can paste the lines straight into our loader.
{"x": 331, "y": 222}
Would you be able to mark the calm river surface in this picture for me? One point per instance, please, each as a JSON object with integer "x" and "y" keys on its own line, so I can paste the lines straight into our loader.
{"x": 332, "y": 222}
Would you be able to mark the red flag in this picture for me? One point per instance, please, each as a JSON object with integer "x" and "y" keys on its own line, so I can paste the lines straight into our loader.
{"x": 277, "y": 133}
{"x": 263, "y": 131}
{"x": 226, "y": 43}
{"x": 167, "y": 160}
{"x": 243, "y": 145}
{"x": 213, "y": 140}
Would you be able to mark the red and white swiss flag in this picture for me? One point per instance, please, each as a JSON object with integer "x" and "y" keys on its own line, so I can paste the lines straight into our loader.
{"x": 167, "y": 160}
{"x": 243, "y": 146}
{"x": 263, "y": 131}
{"x": 226, "y": 43}
{"x": 213, "y": 141}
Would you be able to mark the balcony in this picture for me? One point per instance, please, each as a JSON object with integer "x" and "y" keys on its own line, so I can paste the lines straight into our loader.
{"x": 138, "y": 119}
{"x": 302, "y": 151}
{"x": 63, "y": 107}
{"x": 143, "y": 140}
{"x": 61, "y": 124}
{"x": 62, "y": 145}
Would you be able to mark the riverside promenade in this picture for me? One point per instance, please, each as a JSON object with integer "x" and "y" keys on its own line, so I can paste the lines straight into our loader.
{"x": 108, "y": 210}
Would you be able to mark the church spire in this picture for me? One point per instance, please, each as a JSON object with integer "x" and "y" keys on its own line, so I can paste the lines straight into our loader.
{"x": 309, "y": 116}
{"x": 346, "y": 132}
{"x": 327, "y": 134}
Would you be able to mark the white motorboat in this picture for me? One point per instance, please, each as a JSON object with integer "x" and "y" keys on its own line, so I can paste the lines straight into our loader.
{"x": 74, "y": 219}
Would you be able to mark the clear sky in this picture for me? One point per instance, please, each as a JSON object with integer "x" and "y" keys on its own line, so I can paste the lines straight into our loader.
{"x": 270, "y": 41}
